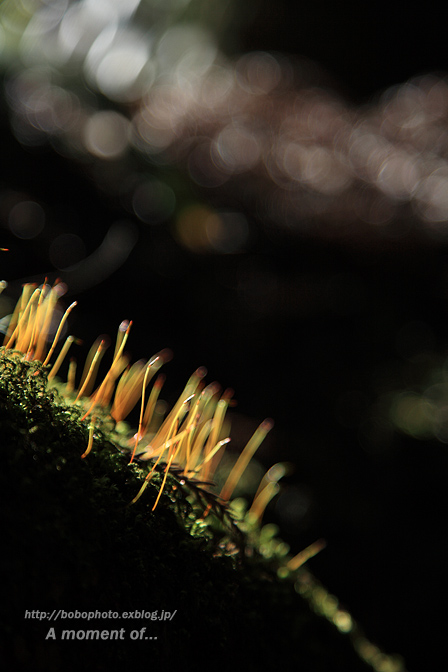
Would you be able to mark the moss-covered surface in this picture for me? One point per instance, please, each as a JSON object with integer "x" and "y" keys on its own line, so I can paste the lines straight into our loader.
{"x": 71, "y": 542}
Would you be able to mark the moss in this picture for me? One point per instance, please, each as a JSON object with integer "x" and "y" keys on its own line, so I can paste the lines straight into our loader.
{"x": 74, "y": 543}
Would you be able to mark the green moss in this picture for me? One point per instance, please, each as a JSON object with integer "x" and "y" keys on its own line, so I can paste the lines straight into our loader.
{"x": 74, "y": 543}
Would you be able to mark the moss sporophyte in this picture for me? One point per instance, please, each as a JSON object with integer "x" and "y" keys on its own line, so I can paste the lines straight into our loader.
{"x": 173, "y": 464}
{"x": 185, "y": 447}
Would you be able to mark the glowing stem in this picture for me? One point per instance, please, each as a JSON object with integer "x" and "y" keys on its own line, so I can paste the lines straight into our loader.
{"x": 71, "y": 375}
{"x": 88, "y": 361}
{"x": 25, "y": 334}
{"x": 120, "y": 335}
{"x": 244, "y": 459}
{"x": 211, "y": 454}
{"x": 45, "y": 316}
{"x": 273, "y": 475}
{"x": 179, "y": 407}
{"x": 142, "y": 407}
{"x": 261, "y": 501}
{"x": 129, "y": 389}
{"x": 153, "y": 396}
{"x": 170, "y": 459}
{"x": 90, "y": 443}
{"x": 164, "y": 480}
{"x": 147, "y": 479}
{"x": 198, "y": 445}
{"x": 108, "y": 374}
{"x": 143, "y": 488}
{"x": 61, "y": 357}
{"x": 108, "y": 389}
{"x": 218, "y": 420}
{"x": 91, "y": 370}
{"x": 23, "y": 316}
{"x": 35, "y": 323}
{"x": 188, "y": 449}
{"x": 58, "y": 333}
{"x": 307, "y": 553}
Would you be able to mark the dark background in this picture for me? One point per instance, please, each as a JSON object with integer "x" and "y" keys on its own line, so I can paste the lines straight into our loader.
{"x": 364, "y": 46}
{"x": 305, "y": 330}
